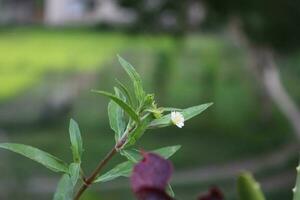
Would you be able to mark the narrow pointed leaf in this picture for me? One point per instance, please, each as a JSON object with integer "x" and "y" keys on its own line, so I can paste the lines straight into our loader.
{"x": 166, "y": 152}
{"x": 169, "y": 109}
{"x": 42, "y": 157}
{"x": 74, "y": 171}
{"x": 132, "y": 155}
{"x": 187, "y": 113}
{"x": 64, "y": 190}
{"x": 127, "y": 108}
{"x": 135, "y": 78}
{"x": 170, "y": 190}
{"x": 248, "y": 188}
{"x": 116, "y": 116}
{"x": 126, "y": 92}
{"x": 76, "y": 141}
{"x": 124, "y": 169}
{"x": 296, "y": 189}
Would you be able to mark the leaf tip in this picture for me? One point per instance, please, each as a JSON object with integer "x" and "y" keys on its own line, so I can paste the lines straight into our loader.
{"x": 177, "y": 147}
{"x": 94, "y": 90}
{"x": 72, "y": 121}
{"x": 210, "y": 104}
{"x": 120, "y": 58}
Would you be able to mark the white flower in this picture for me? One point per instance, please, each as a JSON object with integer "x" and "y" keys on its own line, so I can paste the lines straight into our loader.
{"x": 177, "y": 119}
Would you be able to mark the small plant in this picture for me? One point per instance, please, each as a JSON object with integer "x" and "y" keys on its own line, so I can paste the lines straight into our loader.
{"x": 130, "y": 114}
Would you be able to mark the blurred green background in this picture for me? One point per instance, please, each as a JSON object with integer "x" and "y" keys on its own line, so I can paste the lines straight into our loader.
{"x": 187, "y": 53}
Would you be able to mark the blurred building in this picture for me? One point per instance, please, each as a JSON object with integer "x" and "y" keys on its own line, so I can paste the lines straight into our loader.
{"x": 64, "y": 12}
{"x": 20, "y": 11}
{"x": 58, "y": 12}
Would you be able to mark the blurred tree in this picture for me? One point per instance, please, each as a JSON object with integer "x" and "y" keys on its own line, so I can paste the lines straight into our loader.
{"x": 269, "y": 23}
{"x": 264, "y": 28}
{"x": 172, "y": 16}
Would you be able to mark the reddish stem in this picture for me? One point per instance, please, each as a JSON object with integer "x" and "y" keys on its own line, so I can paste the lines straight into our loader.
{"x": 88, "y": 181}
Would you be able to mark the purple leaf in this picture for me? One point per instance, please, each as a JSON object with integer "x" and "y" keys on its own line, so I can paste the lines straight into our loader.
{"x": 152, "y": 194}
{"x": 213, "y": 194}
{"x": 150, "y": 177}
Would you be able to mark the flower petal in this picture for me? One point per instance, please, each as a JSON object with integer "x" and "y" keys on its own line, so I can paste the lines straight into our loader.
{"x": 180, "y": 125}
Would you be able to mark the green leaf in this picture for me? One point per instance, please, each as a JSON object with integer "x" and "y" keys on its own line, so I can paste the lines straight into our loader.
{"x": 135, "y": 78}
{"x": 138, "y": 132}
{"x": 126, "y": 92}
{"x": 74, "y": 171}
{"x": 64, "y": 190}
{"x": 42, "y": 157}
{"x": 166, "y": 152}
{"x": 248, "y": 188}
{"x": 169, "y": 109}
{"x": 116, "y": 117}
{"x": 127, "y": 108}
{"x": 170, "y": 190}
{"x": 76, "y": 141}
{"x": 132, "y": 155}
{"x": 124, "y": 169}
{"x": 67, "y": 183}
{"x": 296, "y": 189}
{"x": 187, "y": 113}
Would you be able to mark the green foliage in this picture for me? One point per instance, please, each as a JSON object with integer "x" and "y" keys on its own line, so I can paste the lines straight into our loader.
{"x": 44, "y": 158}
{"x": 74, "y": 171}
{"x": 127, "y": 108}
{"x": 116, "y": 116}
{"x": 188, "y": 113}
{"x": 134, "y": 155}
{"x": 170, "y": 190}
{"x": 64, "y": 189}
{"x": 67, "y": 183}
{"x": 296, "y": 189}
{"x": 145, "y": 116}
{"x": 169, "y": 109}
{"x": 124, "y": 169}
{"x": 135, "y": 78}
{"x": 128, "y": 131}
{"x": 126, "y": 92}
{"x": 76, "y": 141}
{"x": 248, "y": 188}
{"x": 167, "y": 152}
{"x": 138, "y": 131}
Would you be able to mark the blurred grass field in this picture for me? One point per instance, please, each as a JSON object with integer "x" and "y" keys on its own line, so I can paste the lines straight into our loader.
{"x": 184, "y": 72}
{"x": 27, "y": 54}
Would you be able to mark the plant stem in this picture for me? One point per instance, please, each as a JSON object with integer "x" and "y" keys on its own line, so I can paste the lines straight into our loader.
{"x": 95, "y": 173}
{"x": 88, "y": 181}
